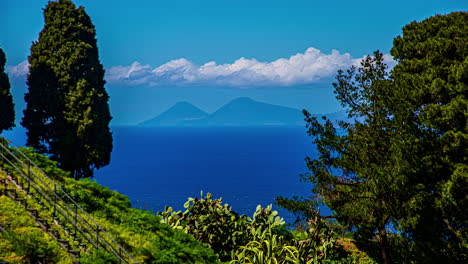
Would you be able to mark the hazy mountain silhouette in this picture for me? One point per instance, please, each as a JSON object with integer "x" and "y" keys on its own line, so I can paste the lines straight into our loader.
{"x": 244, "y": 111}
{"x": 241, "y": 111}
{"x": 177, "y": 115}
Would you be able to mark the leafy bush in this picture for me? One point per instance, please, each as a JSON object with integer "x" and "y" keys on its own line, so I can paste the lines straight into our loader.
{"x": 216, "y": 224}
{"x": 98, "y": 256}
{"x": 260, "y": 239}
{"x": 24, "y": 242}
{"x": 265, "y": 248}
{"x": 179, "y": 248}
{"x": 47, "y": 165}
{"x": 94, "y": 197}
{"x": 29, "y": 245}
{"x": 211, "y": 222}
{"x": 14, "y": 214}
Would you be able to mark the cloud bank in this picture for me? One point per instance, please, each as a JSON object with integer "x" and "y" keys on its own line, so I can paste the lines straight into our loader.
{"x": 302, "y": 68}
{"x": 18, "y": 71}
{"x": 309, "y": 67}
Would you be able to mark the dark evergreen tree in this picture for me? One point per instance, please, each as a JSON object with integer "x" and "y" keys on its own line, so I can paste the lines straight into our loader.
{"x": 430, "y": 95}
{"x": 403, "y": 165}
{"x": 67, "y": 114}
{"x": 354, "y": 172}
{"x": 7, "y": 108}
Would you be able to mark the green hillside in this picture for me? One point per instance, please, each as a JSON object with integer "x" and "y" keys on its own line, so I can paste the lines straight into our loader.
{"x": 33, "y": 230}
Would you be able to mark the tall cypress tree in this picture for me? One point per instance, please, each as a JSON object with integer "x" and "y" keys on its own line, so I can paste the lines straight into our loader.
{"x": 67, "y": 114}
{"x": 7, "y": 111}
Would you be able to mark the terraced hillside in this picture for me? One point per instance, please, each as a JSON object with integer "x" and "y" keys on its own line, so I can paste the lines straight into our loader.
{"x": 23, "y": 239}
{"x": 46, "y": 217}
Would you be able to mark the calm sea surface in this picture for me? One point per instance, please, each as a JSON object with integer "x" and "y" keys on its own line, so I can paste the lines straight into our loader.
{"x": 156, "y": 167}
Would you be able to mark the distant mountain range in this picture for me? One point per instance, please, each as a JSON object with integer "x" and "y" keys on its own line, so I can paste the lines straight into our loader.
{"x": 180, "y": 114}
{"x": 241, "y": 111}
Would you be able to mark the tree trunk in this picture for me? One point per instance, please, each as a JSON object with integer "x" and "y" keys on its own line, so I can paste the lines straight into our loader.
{"x": 384, "y": 247}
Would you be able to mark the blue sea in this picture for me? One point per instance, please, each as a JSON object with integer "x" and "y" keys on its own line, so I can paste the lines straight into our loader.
{"x": 245, "y": 167}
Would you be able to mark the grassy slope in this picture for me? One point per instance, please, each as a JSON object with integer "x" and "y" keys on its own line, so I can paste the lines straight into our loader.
{"x": 140, "y": 232}
{"x": 24, "y": 239}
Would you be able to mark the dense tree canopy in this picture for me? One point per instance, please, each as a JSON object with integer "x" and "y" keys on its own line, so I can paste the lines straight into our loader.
{"x": 430, "y": 95}
{"x": 402, "y": 164}
{"x": 67, "y": 113}
{"x": 355, "y": 171}
{"x": 7, "y": 108}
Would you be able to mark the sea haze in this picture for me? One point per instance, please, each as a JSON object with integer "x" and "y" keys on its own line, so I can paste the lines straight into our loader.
{"x": 246, "y": 166}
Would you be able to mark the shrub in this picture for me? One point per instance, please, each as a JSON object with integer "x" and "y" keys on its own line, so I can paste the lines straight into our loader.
{"x": 30, "y": 244}
{"x": 216, "y": 224}
{"x": 98, "y": 256}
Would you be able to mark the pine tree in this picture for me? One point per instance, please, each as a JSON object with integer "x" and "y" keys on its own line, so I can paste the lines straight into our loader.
{"x": 354, "y": 172}
{"x": 431, "y": 99}
{"x": 67, "y": 113}
{"x": 7, "y": 111}
{"x": 403, "y": 164}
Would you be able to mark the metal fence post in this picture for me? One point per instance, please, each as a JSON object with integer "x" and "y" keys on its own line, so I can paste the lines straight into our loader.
{"x": 55, "y": 199}
{"x": 75, "y": 219}
{"x": 29, "y": 173}
{"x": 97, "y": 237}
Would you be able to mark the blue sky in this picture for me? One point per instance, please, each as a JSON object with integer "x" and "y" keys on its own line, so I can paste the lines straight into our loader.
{"x": 208, "y": 52}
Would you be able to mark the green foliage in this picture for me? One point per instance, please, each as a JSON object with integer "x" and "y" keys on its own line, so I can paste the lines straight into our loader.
{"x": 354, "y": 173}
{"x": 67, "y": 113}
{"x": 178, "y": 247}
{"x": 266, "y": 242}
{"x": 315, "y": 244}
{"x": 140, "y": 232}
{"x": 260, "y": 239}
{"x": 47, "y": 165}
{"x": 267, "y": 248}
{"x": 7, "y": 108}
{"x": 94, "y": 197}
{"x": 302, "y": 208}
{"x": 431, "y": 81}
{"x": 402, "y": 163}
{"x": 98, "y": 256}
{"x": 211, "y": 222}
{"x": 13, "y": 213}
{"x": 24, "y": 242}
{"x": 32, "y": 245}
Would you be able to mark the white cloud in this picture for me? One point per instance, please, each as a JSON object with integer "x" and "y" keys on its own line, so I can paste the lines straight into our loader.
{"x": 17, "y": 71}
{"x": 134, "y": 74}
{"x": 388, "y": 59}
{"x": 302, "y": 68}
